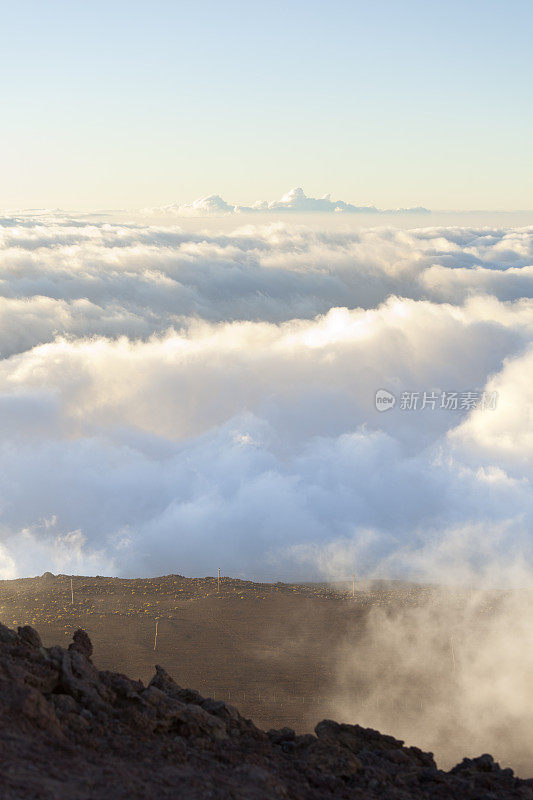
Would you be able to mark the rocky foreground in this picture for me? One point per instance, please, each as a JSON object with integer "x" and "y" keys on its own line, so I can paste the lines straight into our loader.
{"x": 71, "y": 731}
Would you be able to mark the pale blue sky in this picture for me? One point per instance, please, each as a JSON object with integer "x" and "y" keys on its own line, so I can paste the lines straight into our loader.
{"x": 126, "y": 103}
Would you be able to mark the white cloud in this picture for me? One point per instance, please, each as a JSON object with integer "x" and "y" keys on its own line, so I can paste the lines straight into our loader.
{"x": 295, "y": 201}
{"x": 209, "y": 204}
{"x": 506, "y": 435}
{"x": 184, "y": 399}
{"x": 75, "y": 277}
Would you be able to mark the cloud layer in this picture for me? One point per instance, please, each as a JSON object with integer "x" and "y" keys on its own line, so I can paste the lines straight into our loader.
{"x": 94, "y": 278}
{"x": 173, "y": 401}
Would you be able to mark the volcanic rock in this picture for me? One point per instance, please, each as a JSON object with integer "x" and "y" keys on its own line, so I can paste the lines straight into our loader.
{"x": 72, "y": 731}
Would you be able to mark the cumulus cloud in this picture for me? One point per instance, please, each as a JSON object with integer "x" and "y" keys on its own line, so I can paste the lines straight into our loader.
{"x": 87, "y": 277}
{"x": 306, "y": 377}
{"x": 209, "y": 204}
{"x": 295, "y": 201}
{"x": 170, "y": 400}
{"x": 507, "y": 435}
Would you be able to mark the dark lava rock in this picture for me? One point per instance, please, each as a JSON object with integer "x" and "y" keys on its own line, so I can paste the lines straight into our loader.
{"x": 282, "y": 735}
{"x": 72, "y": 732}
{"x": 82, "y": 643}
{"x": 30, "y": 636}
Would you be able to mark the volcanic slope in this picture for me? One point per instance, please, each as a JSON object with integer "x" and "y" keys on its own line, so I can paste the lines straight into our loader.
{"x": 72, "y": 731}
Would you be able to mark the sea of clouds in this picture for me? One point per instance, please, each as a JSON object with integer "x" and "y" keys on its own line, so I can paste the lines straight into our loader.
{"x": 178, "y": 401}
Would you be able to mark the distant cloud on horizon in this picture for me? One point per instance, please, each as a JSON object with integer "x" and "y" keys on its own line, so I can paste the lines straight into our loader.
{"x": 294, "y": 201}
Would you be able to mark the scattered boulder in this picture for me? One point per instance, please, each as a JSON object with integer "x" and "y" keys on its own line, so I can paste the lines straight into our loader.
{"x": 82, "y": 644}
{"x": 30, "y": 636}
{"x": 282, "y": 735}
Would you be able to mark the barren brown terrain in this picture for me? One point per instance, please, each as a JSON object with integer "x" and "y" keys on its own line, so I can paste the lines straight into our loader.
{"x": 269, "y": 647}
{"x": 273, "y": 649}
